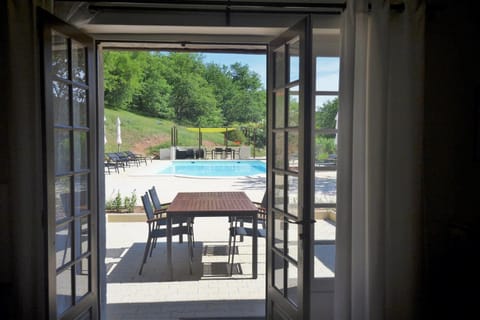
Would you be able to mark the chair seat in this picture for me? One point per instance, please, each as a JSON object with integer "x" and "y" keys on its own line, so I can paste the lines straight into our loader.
{"x": 163, "y": 222}
{"x": 243, "y": 231}
{"x": 237, "y": 228}
{"x": 260, "y": 219}
{"x": 161, "y": 233}
{"x": 240, "y": 231}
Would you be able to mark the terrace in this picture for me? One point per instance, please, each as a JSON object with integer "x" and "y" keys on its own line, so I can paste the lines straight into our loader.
{"x": 209, "y": 292}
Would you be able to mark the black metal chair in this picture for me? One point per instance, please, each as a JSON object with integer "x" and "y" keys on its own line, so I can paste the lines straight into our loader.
{"x": 114, "y": 160}
{"x": 155, "y": 231}
{"x": 138, "y": 158}
{"x": 229, "y": 153}
{"x": 218, "y": 151}
{"x": 160, "y": 209}
{"x": 238, "y": 228}
{"x": 125, "y": 158}
{"x": 107, "y": 163}
{"x": 261, "y": 218}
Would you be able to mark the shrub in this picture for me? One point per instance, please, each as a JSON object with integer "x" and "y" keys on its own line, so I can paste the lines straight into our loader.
{"x": 120, "y": 204}
{"x": 117, "y": 202}
{"x": 236, "y": 135}
{"x": 130, "y": 202}
{"x": 324, "y": 147}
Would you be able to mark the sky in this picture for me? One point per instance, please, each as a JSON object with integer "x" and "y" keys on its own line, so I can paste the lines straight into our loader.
{"x": 327, "y": 69}
{"x": 256, "y": 62}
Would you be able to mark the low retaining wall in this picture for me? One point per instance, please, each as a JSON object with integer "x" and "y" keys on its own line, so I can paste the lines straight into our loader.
{"x": 126, "y": 217}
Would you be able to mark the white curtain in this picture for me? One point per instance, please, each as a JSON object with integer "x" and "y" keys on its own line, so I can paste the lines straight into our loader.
{"x": 379, "y": 177}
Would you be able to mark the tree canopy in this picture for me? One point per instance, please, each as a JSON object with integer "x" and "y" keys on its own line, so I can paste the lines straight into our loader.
{"x": 122, "y": 79}
{"x": 183, "y": 88}
{"x": 325, "y": 115}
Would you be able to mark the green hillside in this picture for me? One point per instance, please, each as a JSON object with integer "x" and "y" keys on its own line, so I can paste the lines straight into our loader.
{"x": 146, "y": 135}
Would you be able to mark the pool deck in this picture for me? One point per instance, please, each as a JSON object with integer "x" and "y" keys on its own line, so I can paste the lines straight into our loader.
{"x": 209, "y": 292}
{"x": 140, "y": 179}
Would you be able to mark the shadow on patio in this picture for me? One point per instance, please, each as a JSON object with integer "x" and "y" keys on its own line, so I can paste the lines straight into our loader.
{"x": 209, "y": 261}
{"x": 209, "y": 293}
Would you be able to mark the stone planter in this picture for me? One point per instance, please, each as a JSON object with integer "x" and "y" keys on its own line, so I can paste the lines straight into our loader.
{"x": 126, "y": 217}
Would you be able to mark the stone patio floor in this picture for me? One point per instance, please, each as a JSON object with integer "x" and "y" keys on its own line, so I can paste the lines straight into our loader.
{"x": 209, "y": 292}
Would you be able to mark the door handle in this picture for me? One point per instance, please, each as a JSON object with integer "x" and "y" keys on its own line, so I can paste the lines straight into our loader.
{"x": 301, "y": 222}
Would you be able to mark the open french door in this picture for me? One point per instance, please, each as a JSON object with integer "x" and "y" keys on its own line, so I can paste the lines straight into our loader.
{"x": 290, "y": 168}
{"x": 71, "y": 175}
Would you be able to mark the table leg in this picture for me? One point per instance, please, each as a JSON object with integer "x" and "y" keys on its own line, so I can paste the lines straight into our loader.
{"x": 169, "y": 247}
{"x": 255, "y": 247}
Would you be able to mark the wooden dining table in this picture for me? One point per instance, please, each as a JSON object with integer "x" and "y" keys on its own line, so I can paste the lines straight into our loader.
{"x": 212, "y": 204}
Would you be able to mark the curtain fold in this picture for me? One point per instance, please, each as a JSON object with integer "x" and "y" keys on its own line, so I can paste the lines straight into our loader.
{"x": 379, "y": 204}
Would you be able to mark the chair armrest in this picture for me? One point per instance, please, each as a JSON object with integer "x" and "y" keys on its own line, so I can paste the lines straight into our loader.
{"x": 155, "y": 219}
{"x": 160, "y": 211}
{"x": 164, "y": 206}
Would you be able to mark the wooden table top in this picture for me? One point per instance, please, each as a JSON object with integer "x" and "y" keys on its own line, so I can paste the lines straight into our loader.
{"x": 211, "y": 203}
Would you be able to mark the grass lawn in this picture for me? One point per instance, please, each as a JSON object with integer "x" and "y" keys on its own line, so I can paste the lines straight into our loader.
{"x": 142, "y": 134}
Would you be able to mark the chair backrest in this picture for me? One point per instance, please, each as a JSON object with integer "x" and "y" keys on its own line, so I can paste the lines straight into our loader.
{"x": 147, "y": 206}
{"x": 115, "y": 157}
{"x": 122, "y": 156}
{"x": 264, "y": 200}
{"x": 156, "y": 201}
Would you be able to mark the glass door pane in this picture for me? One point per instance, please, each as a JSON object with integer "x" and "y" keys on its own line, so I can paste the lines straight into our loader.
{"x": 70, "y": 174}
{"x": 286, "y": 174}
{"x": 326, "y": 106}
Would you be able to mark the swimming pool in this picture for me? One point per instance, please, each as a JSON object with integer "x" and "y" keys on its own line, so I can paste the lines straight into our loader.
{"x": 215, "y": 168}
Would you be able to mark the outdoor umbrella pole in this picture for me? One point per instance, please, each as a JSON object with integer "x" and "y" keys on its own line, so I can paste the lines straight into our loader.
{"x": 104, "y": 130}
{"x": 119, "y": 133}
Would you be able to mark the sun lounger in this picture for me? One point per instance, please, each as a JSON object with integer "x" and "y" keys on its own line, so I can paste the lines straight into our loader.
{"x": 138, "y": 158}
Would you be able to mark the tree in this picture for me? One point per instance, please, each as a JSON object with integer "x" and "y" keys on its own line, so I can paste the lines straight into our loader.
{"x": 325, "y": 116}
{"x": 325, "y": 119}
{"x": 192, "y": 97}
{"x": 249, "y": 99}
{"x": 194, "y": 102}
{"x": 255, "y": 132}
{"x": 180, "y": 87}
{"x": 238, "y": 92}
{"x": 223, "y": 88}
{"x": 122, "y": 78}
{"x": 153, "y": 97}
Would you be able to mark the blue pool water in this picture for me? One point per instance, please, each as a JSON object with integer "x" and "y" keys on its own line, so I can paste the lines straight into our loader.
{"x": 215, "y": 168}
